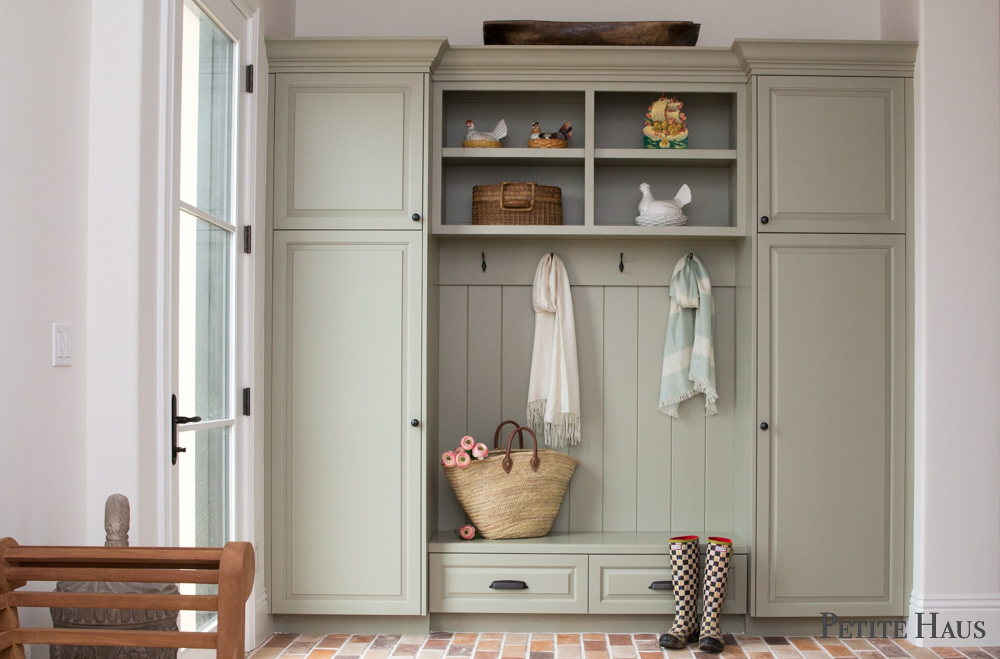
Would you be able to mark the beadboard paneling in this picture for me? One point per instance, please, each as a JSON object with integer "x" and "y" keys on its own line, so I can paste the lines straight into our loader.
{"x": 639, "y": 469}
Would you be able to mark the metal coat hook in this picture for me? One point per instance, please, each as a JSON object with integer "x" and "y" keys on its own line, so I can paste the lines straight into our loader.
{"x": 621, "y": 262}
{"x": 484, "y": 261}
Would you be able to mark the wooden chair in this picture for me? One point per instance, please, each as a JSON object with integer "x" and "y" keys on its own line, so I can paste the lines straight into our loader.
{"x": 231, "y": 567}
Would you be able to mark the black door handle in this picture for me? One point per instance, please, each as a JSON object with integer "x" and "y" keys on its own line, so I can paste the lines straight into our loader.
{"x": 174, "y": 422}
{"x": 763, "y": 425}
{"x": 508, "y": 584}
{"x": 661, "y": 585}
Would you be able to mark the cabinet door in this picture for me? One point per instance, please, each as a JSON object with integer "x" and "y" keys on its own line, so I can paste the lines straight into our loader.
{"x": 831, "y": 154}
{"x": 348, "y": 150}
{"x": 346, "y": 382}
{"x": 830, "y": 464}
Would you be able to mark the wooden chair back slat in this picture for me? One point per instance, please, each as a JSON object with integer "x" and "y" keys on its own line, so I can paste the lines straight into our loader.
{"x": 231, "y": 567}
{"x": 117, "y": 637}
{"x": 114, "y": 601}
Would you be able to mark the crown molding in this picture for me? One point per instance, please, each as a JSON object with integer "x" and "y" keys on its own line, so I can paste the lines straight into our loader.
{"x": 349, "y": 54}
{"x": 812, "y": 57}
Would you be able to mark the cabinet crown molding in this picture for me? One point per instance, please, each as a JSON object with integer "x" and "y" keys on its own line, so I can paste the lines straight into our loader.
{"x": 355, "y": 54}
{"x": 809, "y": 56}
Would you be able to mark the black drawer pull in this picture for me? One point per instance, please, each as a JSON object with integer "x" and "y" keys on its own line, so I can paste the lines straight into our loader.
{"x": 661, "y": 585}
{"x": 508, "y": 584}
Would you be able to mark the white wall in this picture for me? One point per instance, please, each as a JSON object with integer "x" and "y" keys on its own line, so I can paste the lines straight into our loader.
{"x": 461, "y": 21}
{"x": 957, "y": 420}
{"x": 45, "y": 47}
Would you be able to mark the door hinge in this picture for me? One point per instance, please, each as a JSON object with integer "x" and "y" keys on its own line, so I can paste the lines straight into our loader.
{"x": 249, "y": 78}
{"x": 246, "y": 402}
{"x": 247, "y": 239}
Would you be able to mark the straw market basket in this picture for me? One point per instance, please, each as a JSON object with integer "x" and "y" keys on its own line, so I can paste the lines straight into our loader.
{"x": 517, "y": 204}
{"x": 548, "y": 143}
{"x": 515, "y": 494}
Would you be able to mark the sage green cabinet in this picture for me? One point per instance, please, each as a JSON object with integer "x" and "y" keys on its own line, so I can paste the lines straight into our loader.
{"x": 349, "y": 151}
{"x": 830, "y": 460}
{"x": 831, "y": 154}
{"x": 346, "y": 461}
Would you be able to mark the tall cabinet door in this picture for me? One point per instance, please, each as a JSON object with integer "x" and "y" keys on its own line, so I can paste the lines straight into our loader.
{"x": 830, "y": 439}
{"x": 346, "y": 467}
{"x": 831, "y": 154}
{"x": 350, "y": 150}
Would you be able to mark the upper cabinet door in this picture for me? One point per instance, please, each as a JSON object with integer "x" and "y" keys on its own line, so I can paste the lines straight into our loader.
{"x": 831, "y": 154}
{"x": 349, "y": 151}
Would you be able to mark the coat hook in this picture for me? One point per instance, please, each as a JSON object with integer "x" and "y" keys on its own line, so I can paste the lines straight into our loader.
{"x": 621, "y": 262}
{"x": 484, "y": 261}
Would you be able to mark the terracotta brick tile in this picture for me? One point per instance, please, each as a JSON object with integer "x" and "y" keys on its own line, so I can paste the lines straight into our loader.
{"x": 903, "y": 643}
{"x": 567, "y": 639}
{"x": 440, "y": 635}
{"x": 333, "y": 640}
{"x": 785, "y": 652}
{"x": 569, "y": 652}
{"x": 437, "y": 644}
{"x": 377, "y": 654}
{"x": 645, "y": 637}
{"x": 760, "y": 655}
{"x": 595, "y": 637}
{"x": 348, "y": 656}
{"x": 384, "y": 642}
{"x": 776, "y": 640}
{"x": 733, "y": 651}
{"x": 541, "y": 646}
{"x": 752, "y": 644}
{"x": 743, "y": 637}
{"x": 543, "y": 637}
{"x": 543, "y": 654}
{"x": 975, "y": 653}
{"x": 487, "y": 645}
{"x": 869, "y": 654}
{"x": 890, "y": 649}
{"x": 280, "y": 640}
{"x": 322, "y": 654}
{"x": 457, "y": 650}
{"x": 595, "y": 646}
{"x": 622, "y": 652}
{"x": 352, "y": 649}
{"x": 829, "y": 640}
{"x": 427, "y": 654}
{"x": 729, "y": 639}
{"x": 858, "y": 644}
{"x": 651, "y": 655}
{"x": 465, "y": 639}
{"x": 647, "y": 646}
{"x": 264, "y": 652}
{"x": 413, "y": 639}
{"x": 948, "y": 653}
{"x": 620, "y": 639}
{"x": 837, "y": 650}
{"x": 922, "y": 653}
{"x": 704, "y": 655}
{"x": 804, "y": 643}
{"x": 679, "y": 654}
{"x": 406, "y": 650}
{"x": 362, "y": 638}
{"x": 992, "y": 651}
{"x": 514, "y": 651}
{"x": 489, "y": 654}
{"x": 595, "y": 654}
{"x": 806, "y": 654}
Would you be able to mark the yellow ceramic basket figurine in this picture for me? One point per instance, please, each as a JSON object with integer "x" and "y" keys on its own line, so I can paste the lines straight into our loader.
{"x": 666, "y": 125}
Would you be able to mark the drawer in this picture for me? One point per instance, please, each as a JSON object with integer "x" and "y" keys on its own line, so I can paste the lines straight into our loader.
{"x": 620, "y": 584}
{"x": 556, "y": 583}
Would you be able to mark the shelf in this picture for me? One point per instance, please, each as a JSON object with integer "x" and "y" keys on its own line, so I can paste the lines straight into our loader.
{"x": 505, "y": 156}
{"x": 446, "y": 542}
{"x": 600, "y": 231}
{"x": 666, "y": 157}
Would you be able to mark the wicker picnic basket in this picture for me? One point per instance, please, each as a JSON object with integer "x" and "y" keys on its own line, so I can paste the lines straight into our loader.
{"x": 515, "y": 494}
{"x": 517, "y": 203}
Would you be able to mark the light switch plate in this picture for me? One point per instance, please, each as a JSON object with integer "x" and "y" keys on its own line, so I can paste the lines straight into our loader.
{"x": 62, "y": 344}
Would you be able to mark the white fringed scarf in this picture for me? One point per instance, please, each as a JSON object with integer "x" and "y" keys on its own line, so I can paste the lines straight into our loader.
{"x": 554, "y": 387}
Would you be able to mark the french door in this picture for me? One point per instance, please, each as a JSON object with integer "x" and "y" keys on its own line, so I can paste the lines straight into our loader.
{"x": 206, "y": 318}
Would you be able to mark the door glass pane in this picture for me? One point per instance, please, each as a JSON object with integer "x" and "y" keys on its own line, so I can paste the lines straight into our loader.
{"x": 204, "y": 320}
{"x": 206, "y": 113}
{"x": 204, "y": 489}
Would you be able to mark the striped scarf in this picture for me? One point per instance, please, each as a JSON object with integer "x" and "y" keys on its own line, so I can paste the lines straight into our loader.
{"x": 688, "y": 355}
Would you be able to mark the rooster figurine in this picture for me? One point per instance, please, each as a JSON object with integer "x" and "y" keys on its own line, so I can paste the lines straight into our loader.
{"x": 474, "y": 138}
{"x": 663, "y": 213}
{"x": 555, "y": 140}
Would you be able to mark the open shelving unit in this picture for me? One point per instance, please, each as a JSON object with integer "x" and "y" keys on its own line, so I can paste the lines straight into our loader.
{"x": 600, "y": 170}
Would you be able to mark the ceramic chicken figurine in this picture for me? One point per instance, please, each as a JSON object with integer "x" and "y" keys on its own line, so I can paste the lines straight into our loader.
{"x": 564, "y": 133}
{"x": 663, "y": 213}
{"x": 499, "y": 132}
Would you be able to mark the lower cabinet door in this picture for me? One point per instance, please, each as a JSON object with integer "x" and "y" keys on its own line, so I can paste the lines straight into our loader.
{"x": 830, "y": 427}
{"x": 642, "y": 584}
{"x": 508, "y": 583}
{"x": 346, "y": 462}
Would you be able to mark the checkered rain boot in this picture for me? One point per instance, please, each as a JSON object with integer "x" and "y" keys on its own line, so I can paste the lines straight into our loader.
{"x": 716, "y": 575}
{"x": 684, "y": 566}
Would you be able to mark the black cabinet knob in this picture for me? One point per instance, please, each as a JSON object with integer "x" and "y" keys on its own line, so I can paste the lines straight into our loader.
{"x": 763, "y": 425}
{"x": 764, "y": 220}
{"x": 415, "y": 217}
{"x": 414, "y": 423}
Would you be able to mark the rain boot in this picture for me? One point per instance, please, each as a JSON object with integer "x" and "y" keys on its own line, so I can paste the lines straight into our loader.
{"x": 684, "y": 569}
{"x": 716, "y": 575}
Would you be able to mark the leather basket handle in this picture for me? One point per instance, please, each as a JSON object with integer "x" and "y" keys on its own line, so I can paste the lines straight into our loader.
{"x": 496, "y": 435}
{"x": 535, "y": 461}
{"x": 531, "y": 204}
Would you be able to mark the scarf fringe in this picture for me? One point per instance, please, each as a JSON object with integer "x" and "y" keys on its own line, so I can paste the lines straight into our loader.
{"x": 701, "y": 386}
{"x": 564, "y": 431}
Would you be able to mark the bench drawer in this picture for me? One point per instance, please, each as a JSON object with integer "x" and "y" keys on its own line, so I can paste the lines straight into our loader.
{"x": 460, "y": 583}
{"x": 620, "y": 584}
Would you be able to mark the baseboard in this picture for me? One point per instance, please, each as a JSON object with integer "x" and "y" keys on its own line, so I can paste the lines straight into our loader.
{"x": 954, "y": 620}
{"x": 567, "y": 623}
{"x": 318, "y": 624}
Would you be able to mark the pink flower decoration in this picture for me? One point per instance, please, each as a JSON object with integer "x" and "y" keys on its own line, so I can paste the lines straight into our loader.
{"x": 448, "y": 459}
{"x": 462, "y": 459}
{"x": 480, "y": 451}
{"x": 467, "y": 532}
{"x": 467, "y": 443}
